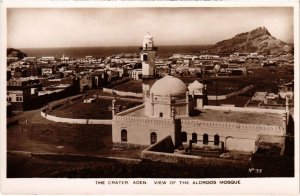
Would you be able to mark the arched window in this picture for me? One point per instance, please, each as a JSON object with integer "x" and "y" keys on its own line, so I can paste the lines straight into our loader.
{"x": 205, "y": 139}
{"x": 183, "y": 137}
{"x": 153, "y": 138}
{"x": 161, "y": 115}
{"x": 216, "y": 139}
{"x": 124, "y": 135}
{"x": 145, "y": 57}
{"x": 194, "y": 137}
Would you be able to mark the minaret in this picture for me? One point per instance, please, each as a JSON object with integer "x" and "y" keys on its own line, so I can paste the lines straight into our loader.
{"x": 148, "y": 63}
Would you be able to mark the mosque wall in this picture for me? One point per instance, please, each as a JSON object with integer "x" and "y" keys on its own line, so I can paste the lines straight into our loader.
{"x": 164, "y": 110}
{"x": 139, "y": 129}
{"x": 181, "y": 110}
{"x": 235, "y": 136}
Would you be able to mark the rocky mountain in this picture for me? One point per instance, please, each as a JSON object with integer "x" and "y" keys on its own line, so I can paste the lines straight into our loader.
{"x": 11, "y": 52}
{"x": 258, "y": 40}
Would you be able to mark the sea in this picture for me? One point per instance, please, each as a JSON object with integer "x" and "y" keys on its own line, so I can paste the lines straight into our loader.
{"x": 79, "y": 52}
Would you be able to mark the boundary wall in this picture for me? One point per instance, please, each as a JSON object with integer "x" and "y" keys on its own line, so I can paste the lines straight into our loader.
{"x": 223, "y": 97}
{"x": 161, "y": 152}
{"x": 56, "y": 104}
{"x": 122, "y": 93}
{"x": 74, "y": 120}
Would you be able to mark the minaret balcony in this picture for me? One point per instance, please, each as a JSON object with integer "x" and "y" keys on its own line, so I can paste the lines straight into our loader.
{"x": 149, "y": 77}
{"x": 148, "y": 48}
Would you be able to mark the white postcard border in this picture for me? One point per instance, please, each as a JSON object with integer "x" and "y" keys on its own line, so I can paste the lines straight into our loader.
{"x": 281, "y": 186}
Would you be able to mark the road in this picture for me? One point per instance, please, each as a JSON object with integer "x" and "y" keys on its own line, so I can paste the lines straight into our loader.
{"x": 33, "y": 116}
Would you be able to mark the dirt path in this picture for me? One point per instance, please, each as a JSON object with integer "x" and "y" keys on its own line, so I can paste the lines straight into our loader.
{"x": 33, "y": 116}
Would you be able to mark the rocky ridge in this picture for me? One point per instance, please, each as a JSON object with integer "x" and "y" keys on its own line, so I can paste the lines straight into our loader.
{"x": 258, "y": 40}
{"x": 11, "y": 52}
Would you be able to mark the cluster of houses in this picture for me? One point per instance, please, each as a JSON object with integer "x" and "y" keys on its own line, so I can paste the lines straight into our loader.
{"x": 93, "y": 72}
{"x": 32, "y": 92}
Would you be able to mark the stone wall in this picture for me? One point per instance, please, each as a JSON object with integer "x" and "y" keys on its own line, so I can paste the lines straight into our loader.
{"x": 223, "y": 97}
{"x": 70, "y": 157}
{"x": 122, "y": 93}
{"x": 75, "y": 121}
{"x": 119, "y": 98}
{"x": 169, "y": 157}
{"x": 186, "y": 159}
{"x": 58, "y": 103}
{"x": 129, "y": 146}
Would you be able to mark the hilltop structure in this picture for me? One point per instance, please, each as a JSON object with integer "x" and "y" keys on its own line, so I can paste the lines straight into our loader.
{"x": 172, "y": 109}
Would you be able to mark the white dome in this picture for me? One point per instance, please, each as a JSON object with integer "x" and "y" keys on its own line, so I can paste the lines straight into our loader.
{"x": 148, "y": 36}
{"x": 168, "y": 85}
{"x": 195, "y": 86}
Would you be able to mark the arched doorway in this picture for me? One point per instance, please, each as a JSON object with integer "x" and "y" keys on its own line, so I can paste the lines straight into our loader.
{"x": 145, "y": 57}
{"x": 205, "y": 138}
{"x": 228, "y": 143}
{"x": 183, "y": 136}
{"x": 153, "y": 138}
{"x": 194, "y": 137}
{"x": 216, "y": 140}
{"x": 124, "y": 135}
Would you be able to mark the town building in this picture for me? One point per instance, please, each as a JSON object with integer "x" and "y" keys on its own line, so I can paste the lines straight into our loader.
{"x": 136, "y": 74}
{"x": 47, "y": 58}
{"x": 286, "y": 89}
{"x": 20, "y": 91}
{"x": 47, "y": 71}
{"x": 31, "y": 59}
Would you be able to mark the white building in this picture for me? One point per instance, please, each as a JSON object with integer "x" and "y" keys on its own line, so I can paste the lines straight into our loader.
{"x": 136, "y": 74}
{"x": 47, "y": 58}
{"x": 172, "y": 109}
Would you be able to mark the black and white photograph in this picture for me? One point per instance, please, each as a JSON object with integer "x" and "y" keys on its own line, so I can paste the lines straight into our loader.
{"x": 143, "y": 95}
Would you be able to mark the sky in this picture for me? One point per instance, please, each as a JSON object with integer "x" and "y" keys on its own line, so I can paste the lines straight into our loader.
{"x": 93, "y": 27}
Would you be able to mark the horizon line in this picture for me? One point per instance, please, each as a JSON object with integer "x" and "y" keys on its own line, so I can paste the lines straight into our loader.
{"x": 109, "y": 46}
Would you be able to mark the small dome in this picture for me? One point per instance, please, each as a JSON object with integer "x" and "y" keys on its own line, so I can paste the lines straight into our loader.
{"x": 168, "y": 85}
{"x": 195, "y": 86}
{"x": 148, "y": 36}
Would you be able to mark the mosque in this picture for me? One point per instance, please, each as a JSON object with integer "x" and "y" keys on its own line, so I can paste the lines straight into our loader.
{"x": 171, "y": 108}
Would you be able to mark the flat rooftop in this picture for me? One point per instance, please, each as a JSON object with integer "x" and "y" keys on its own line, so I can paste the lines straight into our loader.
{"x": 227, "y": 116}
{"x": 240, "y": 117}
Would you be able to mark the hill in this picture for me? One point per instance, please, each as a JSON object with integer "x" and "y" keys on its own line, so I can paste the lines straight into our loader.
{"x": 11, "y": 52}
{"x": 258, "y": 40}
